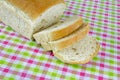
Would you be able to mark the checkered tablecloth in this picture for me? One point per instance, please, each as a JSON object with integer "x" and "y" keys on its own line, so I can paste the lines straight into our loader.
{"x": 24, "y": 59}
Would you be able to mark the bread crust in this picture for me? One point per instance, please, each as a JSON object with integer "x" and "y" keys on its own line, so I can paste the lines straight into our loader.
{"x": 70, "y": 41}
{"x": 79, "y": 62}
{"x": 57, "y": 34}
{"x": 34, "y": 8}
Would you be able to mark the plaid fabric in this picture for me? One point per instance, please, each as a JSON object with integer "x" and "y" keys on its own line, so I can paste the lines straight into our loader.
{"x": 24, "y": 59}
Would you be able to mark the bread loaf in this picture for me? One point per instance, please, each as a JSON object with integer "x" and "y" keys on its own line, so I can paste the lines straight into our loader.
{"x": 30, "y": 16}
{"x": 36, "y": 19}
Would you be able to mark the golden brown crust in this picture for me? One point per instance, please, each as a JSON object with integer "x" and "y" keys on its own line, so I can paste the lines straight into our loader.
{"x": 78, "y": 36}
{"x": 80, "y": 62}
{"x": 67, "y": 30}
{"x": 34, "y": 8}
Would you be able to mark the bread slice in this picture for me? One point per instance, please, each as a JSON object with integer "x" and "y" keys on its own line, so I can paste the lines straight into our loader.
{"x": 59, "y": 30}
{"x": 68, "y": 40}
{"x": 79, "y": 53}
{"x": 30, "y": 16}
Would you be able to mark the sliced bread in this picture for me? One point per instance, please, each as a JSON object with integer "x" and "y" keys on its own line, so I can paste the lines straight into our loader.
{"x": 79, "y": 53}
{"x": 62, "y": 43}
{"x": 59, "y": 30}
{"x": 30, "y": 16}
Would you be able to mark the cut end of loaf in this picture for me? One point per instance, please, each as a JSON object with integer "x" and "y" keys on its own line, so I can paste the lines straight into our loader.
{"x": 80, "y": 53}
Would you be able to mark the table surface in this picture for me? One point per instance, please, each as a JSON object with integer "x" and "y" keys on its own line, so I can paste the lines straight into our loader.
{"x": 24, "y": 59}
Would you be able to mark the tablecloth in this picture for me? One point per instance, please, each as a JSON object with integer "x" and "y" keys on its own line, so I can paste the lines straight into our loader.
{"x": 21, "y": 58}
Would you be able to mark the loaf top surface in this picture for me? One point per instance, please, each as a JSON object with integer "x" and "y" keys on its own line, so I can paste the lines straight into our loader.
{"x": 34, "y": 8}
